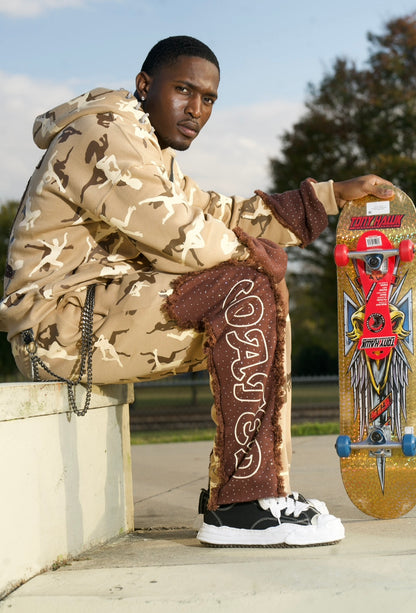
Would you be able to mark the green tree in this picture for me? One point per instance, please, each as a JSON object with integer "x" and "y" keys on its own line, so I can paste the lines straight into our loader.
{"x": 357, "y": 120}
{"x": 7, "y": 214}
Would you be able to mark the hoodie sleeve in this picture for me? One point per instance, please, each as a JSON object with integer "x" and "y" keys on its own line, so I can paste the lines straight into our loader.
{"x": 295, "y": 217}
{"x": 298, "y": 210}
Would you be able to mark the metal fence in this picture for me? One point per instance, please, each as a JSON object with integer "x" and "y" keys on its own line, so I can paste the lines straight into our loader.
{"x": 184, "y": 401}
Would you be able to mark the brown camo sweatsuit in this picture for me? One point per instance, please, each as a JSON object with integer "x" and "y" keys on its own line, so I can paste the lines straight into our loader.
{"x": 107, "y": 206}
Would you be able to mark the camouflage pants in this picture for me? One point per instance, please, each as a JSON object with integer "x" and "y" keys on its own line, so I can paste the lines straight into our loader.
{"x": 134, "y": 340}
{"x": 227, "y": 322}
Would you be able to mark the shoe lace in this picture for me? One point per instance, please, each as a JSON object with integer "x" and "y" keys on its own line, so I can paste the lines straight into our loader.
{"x": 289, "y": 505}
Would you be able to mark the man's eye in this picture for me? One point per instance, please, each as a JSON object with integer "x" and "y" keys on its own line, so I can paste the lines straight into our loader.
{"x": 182, "y": 89}
{"x": 209, "y": 101}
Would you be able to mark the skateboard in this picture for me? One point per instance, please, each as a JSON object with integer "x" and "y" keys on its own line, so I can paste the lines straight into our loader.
{"x": 376, "y": 285}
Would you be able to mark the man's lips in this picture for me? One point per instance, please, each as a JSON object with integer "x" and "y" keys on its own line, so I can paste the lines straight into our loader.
{"x": 188, "y": 128}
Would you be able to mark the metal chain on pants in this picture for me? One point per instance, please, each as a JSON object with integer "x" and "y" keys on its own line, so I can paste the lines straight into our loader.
{"x": 86, "y": 325}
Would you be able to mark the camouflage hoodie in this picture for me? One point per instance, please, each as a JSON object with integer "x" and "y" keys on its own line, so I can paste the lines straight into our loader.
{"x": 105, "y": 201}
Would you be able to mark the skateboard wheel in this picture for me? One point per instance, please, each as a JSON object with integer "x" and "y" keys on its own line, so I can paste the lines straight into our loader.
{"x": 406, "y": 250}
{"x": 409, "y": 445}
{"x": 343, "y": 446}
{"x": 341, "y": 255}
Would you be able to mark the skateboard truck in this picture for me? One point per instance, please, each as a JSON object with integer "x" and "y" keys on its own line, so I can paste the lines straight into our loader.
{"x": 378, "y": 443}
{"x": 374, "y": 258}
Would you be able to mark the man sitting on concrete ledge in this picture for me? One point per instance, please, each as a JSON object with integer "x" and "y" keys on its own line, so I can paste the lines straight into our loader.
{"x": 122, "y": 269}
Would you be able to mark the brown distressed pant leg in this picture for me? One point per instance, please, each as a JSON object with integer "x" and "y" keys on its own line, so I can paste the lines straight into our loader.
{"x": 244, "y": 320}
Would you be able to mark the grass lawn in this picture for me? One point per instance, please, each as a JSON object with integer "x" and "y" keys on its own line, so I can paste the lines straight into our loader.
{"x": 181, "y": 436}
{"x": 179, "y": 395}
{"x": 167, "y": 396}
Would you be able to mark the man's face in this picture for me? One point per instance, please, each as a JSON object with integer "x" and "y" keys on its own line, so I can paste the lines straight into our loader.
{"x": 179, "y": 99}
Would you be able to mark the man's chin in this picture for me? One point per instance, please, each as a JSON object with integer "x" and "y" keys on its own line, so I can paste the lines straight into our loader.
{"x": 181, "y": 146}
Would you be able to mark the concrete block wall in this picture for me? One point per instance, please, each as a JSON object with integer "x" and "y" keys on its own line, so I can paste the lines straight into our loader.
{"x": 65, "y": 481}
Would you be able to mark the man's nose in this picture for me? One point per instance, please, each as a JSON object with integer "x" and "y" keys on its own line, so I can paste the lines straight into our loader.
{"x": 194, "y": 107}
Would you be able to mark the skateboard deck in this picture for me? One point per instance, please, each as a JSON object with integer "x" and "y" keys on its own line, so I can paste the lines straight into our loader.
{"x": 376, "y": 281}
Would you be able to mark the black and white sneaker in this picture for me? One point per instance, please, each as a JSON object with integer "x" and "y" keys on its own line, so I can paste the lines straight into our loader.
{"x": 292, "y": 521}
{"x": 319, "y": 505}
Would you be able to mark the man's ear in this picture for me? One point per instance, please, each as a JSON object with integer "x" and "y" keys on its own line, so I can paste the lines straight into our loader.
{"x": 143, "y": 82}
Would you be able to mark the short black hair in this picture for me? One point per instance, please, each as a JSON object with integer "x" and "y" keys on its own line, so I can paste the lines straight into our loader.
{"x": 168, "y": 50}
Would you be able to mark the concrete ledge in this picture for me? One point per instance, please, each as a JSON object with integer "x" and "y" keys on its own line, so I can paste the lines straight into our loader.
{"x": 66, "y": 482}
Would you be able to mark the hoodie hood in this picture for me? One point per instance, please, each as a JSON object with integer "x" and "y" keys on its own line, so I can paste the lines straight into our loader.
{"x": 97, "y": 101}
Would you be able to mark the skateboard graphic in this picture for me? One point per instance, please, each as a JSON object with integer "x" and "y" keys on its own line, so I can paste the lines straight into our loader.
{"x": 376, "y": 274}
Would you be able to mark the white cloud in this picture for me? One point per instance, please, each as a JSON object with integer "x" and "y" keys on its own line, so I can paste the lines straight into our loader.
{"x": 33, "y": 8}
{"x": 230, "y": 155}
{"x": 21, "y": 99}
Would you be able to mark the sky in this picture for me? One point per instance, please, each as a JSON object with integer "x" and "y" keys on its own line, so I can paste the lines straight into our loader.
{"x": 269, "y": 51}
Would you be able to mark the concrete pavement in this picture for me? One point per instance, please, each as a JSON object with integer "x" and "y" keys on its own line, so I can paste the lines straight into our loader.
{"x": 162, "y": 567}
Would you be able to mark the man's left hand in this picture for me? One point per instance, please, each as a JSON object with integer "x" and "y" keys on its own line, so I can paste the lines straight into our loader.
{"x": 362, "y": 186}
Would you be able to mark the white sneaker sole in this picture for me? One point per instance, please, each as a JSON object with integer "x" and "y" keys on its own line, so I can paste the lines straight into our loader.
{"x": 327, "y": 530}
